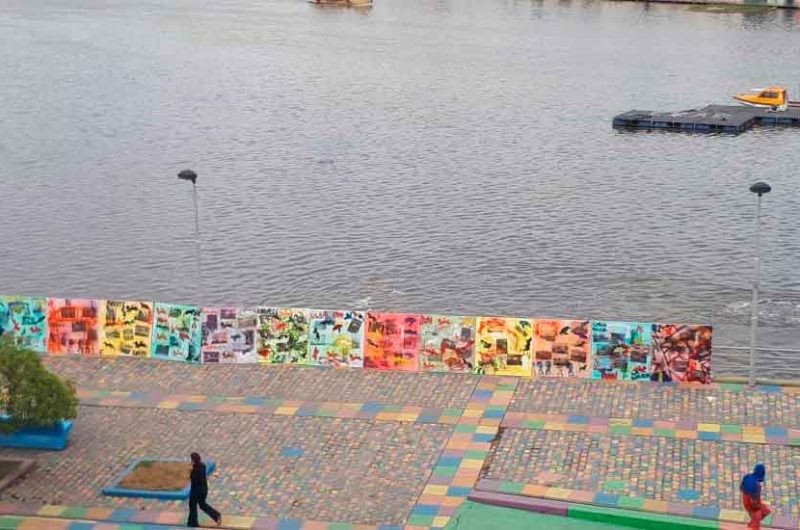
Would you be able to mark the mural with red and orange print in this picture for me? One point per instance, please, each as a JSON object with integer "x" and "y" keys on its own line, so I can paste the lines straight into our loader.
{"x": 72, "y": 326}
{"x": 392, "y": 341}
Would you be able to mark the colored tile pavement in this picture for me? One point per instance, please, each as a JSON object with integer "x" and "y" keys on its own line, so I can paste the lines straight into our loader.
{"x": 460, "y": 463}
{"x": 713, "y": 513}
{"x": 683, "y": 429}
{"x": 373, "y": 411}
{"x": 685, "y": 473}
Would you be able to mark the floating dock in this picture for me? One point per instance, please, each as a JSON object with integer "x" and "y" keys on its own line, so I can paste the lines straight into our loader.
{"x": 730, "y": 119}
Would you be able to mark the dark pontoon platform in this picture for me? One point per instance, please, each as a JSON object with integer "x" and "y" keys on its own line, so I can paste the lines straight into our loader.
{"x": 732, "y": 119}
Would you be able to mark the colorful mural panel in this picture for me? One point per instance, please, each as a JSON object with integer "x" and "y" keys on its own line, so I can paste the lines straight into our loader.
{"x": 504, "y": 346}
{"x": 25, "y": 319}
{"x": 336, "y": 338}
{"x": 229, "y": 335}
{"x": 392, "y": 341}
{"x": 561, "y": 348}
{"x": 448, "y": 343}
{"x": 177, "y": 333}
{"x": 72, "y": 326}
{"x": 282, "y": 335}
{"x": 622, "y": 350}
{"x": 126, "y": 328}
{"x": 681, "y": 353}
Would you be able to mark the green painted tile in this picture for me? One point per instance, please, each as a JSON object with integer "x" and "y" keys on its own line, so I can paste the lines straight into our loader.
{"x": 794, "y": 441}
{"x": 614, "y": 485}
{"x": 392, "y": 408}
{"x": 619, "y": 429}
{"x": 531, "y": 424}
{"x": 476, "y": 455}
{"x": 452, "y": 412}
{"x": 445, "y": 471}
{"x": 73, "y": 512}
{"x": 669, "y": 433}
{"x": 325, "y": 413}
{"x": 731, "y": 429}
{"x": 511, "y": 487}
{"x": 466, "y": 428}
{"x": 420, "y": 520}
{"x": 340, "y": 526}
{"x": 10, "y": 522}
{"x": 630, "y": 502}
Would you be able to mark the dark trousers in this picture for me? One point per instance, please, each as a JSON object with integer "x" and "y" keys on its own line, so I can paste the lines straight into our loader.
{"x": 194, "y": 502}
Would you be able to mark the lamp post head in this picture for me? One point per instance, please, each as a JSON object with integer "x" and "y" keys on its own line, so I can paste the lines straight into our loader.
{"x": 188, "y": 174}
{"x": 761, "y": 188}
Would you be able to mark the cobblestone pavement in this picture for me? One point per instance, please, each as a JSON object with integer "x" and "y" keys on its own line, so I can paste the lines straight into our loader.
{"x": 323, "y": 469}
{"x": 686, "y": 471}
{"x": 718, "y": 403}
{"x": 304, "y": 383}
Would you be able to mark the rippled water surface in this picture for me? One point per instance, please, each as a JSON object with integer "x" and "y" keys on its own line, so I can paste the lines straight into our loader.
{"x": 431, "y": 155}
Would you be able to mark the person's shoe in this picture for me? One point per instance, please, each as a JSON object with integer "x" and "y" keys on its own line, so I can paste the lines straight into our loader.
{"x": 219, "y": 520}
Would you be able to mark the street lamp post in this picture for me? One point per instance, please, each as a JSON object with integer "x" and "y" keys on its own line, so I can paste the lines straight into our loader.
{"x": 188, "y": 174}
{"x": 759, "y": 188}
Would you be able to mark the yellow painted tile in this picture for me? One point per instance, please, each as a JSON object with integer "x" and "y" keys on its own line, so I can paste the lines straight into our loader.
{"x": 733, "y": 515}
{"x": 708, "y": 427}
{"x": 408, "y": 416}
{"x": 168, "y": 404}
{"x": 435, "y": 489}
{"x": 553, "y": 426}
{"x": 486, "y": 429}
{"x": 653, "y": 505}
{"x": 534, "y": 490}
{"x": 472, "y": 413}
{"x": 754, "y": 438}
{"x": 557, "y": 493}
{"x": 469, "y": 463}
{"x": 441, "y": 521}
{"x": 452, "y": 501}
{"x": 286, "y": 411}
{"x": 51, "y": 510}
{"x": 621, "y": 421}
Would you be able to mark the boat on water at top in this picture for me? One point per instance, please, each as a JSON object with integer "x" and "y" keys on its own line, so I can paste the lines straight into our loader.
{"x": 342, "y": 3}
{"x": 773, "y": 98}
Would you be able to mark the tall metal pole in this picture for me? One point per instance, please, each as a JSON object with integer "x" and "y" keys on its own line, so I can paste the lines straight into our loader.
{"x": 197, "y": 241}
{"x": 191, "y": 176}
{"x": 760, "y": 188}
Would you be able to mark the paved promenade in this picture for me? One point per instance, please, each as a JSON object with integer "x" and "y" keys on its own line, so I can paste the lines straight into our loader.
{"x": 301, "y": 447}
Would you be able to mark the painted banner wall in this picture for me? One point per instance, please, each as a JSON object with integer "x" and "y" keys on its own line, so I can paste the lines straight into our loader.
{"x": 522, "y": 347}
{"x": 73, "y": 326}
{"x": 504, "y": 346}
{"x": 336, "y": 338}
{"x": 392, "y": 341}
{"x": 126, "y": 328}
{"x": 26, "y": 320}
{"x": 229, "y": 335}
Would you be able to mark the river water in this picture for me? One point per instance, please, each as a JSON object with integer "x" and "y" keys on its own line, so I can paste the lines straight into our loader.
{"x": 425, "y": 155}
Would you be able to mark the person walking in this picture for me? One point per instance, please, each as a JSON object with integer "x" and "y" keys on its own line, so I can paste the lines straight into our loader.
{"x": 751, "y": 496}
{"x": 198, "y": 493}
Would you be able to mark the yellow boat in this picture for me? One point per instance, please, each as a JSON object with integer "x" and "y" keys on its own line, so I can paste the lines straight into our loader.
{"x": 774, "y": 97}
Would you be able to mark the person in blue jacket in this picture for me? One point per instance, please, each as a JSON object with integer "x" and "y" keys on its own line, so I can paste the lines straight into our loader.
{"x": 751, "y": 496}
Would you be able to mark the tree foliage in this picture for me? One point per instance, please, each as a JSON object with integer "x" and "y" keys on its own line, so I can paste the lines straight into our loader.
{"x": 29, "y": 394}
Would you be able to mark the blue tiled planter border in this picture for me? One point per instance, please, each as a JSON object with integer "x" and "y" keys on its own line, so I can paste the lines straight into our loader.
{"x": 178, "y": 495}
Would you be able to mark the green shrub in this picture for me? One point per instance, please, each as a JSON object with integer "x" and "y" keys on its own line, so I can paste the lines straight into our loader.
{"x": 29, "y": 394}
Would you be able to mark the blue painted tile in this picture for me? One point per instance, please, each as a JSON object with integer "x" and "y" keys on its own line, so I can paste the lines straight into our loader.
{"x": 482, "y": 393}
{"x": 425, "y": 509}
{"x": 81, "y": 525}
{"x": 710, "y": 436}
{"x": 455, "y": 491}
{"x": 776, "y": 432}
{"x": 372, "y": 407}
{"x": 480, "y": 437}
{"x": 688, "y": 494}
{"x": 449, "y": 461}
{"x": 254, "y": 401}
{"x": 706, "y": 512}
{"x": 291, "y": 452}
{"x": 493, "y": 414}
{"x": 771, "y": 389}
{"x": 122, "y": 515}
{"x": 290, "y": 524}
{"x": 579, "y": 420}
{"x": 606, "y": 499}
{"x": 389, "y": 527}
{"x": 428, "y": 418}
{"x": 642, "y": 423}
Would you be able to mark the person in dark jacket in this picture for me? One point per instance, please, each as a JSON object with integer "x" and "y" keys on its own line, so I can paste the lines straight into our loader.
{"x": 198, "y": 493}
{"x": 751, "y": 496}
